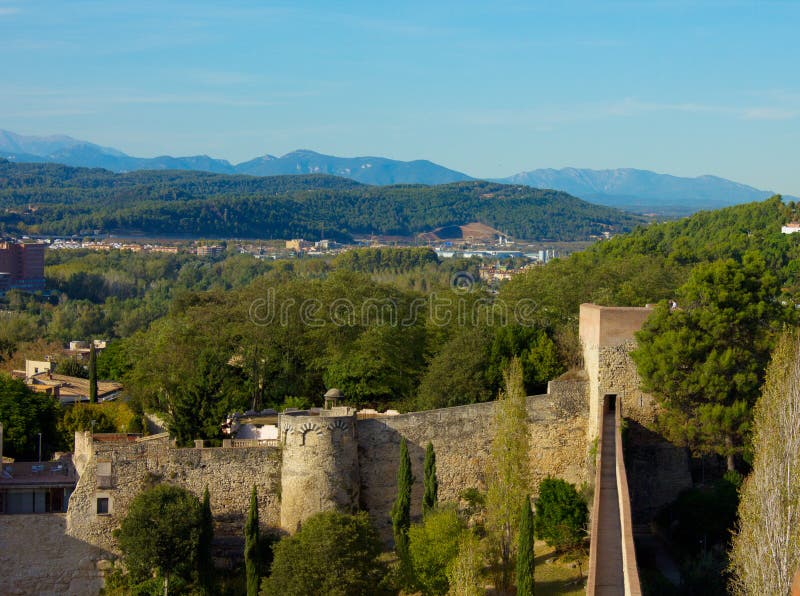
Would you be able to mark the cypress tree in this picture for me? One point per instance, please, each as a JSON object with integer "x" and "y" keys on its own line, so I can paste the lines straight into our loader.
{"x": 92, "y": 373}
{"x": 401, "y": 511}
{"x": 205, "y": 562}
{"x": 251, "y": 540}
{"x": 525, "y": 554}
{"x": 430, "y": 497}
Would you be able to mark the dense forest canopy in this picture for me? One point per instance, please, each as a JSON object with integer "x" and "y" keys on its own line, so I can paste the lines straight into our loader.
{"x": 59, "y": 200}
{"x": 195, "y": 316}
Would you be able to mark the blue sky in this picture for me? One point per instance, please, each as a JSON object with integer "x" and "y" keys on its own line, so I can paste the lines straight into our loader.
{"x": 488, "y": 88}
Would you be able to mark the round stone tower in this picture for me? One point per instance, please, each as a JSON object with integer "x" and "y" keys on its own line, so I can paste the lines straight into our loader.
{"x": 320, "y": 464}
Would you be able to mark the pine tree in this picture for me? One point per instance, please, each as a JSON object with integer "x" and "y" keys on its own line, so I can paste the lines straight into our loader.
{"x": 525, "y": 554}
{"x": 92, "y": 373}
{"x": 205, "y": 561}
{"x": 251, "y": 540}
{"x": 401, "y": 511}
{"x": 430, "y": 498}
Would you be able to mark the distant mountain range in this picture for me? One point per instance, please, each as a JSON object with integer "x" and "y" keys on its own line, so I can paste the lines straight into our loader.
{"x": 633, "y": 190}
{"x": 367, "y": 170}
{"x": 643, "y": 191}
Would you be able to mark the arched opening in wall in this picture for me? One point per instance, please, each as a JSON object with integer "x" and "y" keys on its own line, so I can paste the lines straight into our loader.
{"x": 311, "y": 438}
{"x": 609, "y": 403}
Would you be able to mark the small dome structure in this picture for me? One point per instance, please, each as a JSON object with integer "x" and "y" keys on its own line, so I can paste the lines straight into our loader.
{"x": 332, "y": 397}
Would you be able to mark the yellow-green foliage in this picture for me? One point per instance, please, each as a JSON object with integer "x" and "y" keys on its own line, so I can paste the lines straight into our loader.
{"x": 508, "y": 482}
{"x": 113, "y": 416}
{"x": 766, "y": 548}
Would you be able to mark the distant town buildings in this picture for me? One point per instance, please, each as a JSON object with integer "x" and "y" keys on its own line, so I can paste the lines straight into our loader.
{"x": 21, "y": 266}
{"x": 211, "y": 252}
{"x": 107, "y": 245}
{"x": 297, "y": 244}
{"x": 791, "y": 228}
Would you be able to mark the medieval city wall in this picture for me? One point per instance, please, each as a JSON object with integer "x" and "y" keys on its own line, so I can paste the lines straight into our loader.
{"x": 658, "y": 471}
{"x": 36, "y": 557}
{"x": 462, "y": 437}
{"x": 229, "y": 474}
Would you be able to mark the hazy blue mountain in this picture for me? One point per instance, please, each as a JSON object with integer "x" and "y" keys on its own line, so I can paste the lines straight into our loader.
{"x": 369, "y": 170}
{"x": 633, "y": 190}
{"x": 73, "y": 152}
{"x": 642, "y": 190}
{"x": 11, "y": 142}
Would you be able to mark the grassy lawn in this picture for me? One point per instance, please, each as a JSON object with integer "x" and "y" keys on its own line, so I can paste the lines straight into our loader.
{"x": 560, "y": 577}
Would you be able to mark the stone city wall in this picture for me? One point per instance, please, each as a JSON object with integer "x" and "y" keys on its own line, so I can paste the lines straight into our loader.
{"x": 658, "y": 471}
{"x": 36, "y": 557}
{"x": 229, "y": 473}
{"x": 462, "y": 438}
{"x": 617, "y": 376}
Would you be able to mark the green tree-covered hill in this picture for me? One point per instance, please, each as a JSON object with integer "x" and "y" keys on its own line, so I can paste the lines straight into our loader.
{"x": 55, "y": 199}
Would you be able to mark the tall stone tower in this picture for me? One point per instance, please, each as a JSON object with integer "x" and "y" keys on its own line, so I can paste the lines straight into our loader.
{"x": 320, "y": 464}
{"x": 657, "y": 470}
{"x": 607, "y": 337}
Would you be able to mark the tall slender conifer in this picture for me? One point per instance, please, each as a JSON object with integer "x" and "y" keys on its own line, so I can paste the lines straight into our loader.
{"x": 431, "y": 495}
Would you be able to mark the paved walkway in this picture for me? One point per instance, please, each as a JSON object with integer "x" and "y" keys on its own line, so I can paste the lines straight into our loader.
{"x": 610, "y": 578}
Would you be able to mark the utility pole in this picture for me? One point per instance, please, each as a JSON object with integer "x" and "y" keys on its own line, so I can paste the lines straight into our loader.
{"x": 40, "y": 447}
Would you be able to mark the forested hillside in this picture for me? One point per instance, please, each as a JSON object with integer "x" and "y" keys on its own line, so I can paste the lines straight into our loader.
{"x": 53, "y": 199}
{"x": 651, "y": 263}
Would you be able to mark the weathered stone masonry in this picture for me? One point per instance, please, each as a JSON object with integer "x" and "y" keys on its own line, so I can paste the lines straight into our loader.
{"x": 136, "y": 464}
{"x": 657, "y": 470}
{"x": 462, "y": 437}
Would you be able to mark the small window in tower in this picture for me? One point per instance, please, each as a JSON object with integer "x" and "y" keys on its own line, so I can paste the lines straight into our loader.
{"x": 102, "y": 505}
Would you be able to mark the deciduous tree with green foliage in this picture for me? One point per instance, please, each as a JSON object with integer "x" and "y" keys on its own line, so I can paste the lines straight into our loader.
{"x": 464, "y": 573}
{"x": 430, "y": 496}
{"x": 432, "y": 546}
{"x": 401, "y": 510}
{"x": 456, "y": 375}
{"x": 24, "y": 415}
{"x": 333, "y": 553}
{"x": 561, "y": 514}
{"x": 160, "y": 534}
{"x": 525, "y": 553}
{"x": 705, "y": 360}
{"x": 766, "y": 545}
{"x": 71, "y": 368}
{"x": 508, "y": 474}
{"x": 251, "y": 547}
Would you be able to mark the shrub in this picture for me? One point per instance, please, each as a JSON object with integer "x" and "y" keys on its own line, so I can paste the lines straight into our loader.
{"x": 333, "y": 553}
{"x": 432, "y": 547}
{"x": 561, "y": 514}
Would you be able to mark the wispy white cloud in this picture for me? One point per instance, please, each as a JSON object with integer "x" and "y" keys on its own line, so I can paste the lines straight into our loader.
{"x": 632, "y": 107}
{"x": 547, "y": 117}
{"x": 30, "y": 101}
{"x": 187, "y": 99}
